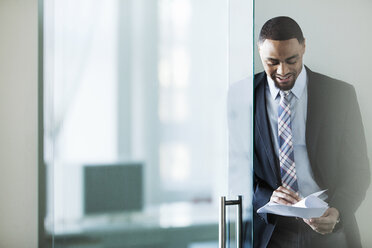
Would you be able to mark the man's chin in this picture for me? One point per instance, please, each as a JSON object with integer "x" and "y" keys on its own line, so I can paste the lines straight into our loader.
{"x": 284, "y": 86}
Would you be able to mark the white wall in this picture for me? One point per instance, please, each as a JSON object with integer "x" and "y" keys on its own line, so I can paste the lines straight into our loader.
{"x": 18, "y": 123}
{"x": 337, "y": 36}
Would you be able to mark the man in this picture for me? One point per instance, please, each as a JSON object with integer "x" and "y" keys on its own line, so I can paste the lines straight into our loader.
{"x": 308, "y": 137}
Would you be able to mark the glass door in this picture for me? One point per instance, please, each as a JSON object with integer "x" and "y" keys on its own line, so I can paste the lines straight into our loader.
{"x": 141, "y": 120}
{"x": 236, "y": 212}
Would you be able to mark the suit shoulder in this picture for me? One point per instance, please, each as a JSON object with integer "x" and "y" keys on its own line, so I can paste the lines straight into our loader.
{"x": 259, "y": 78}
{"x": 328, "y": 82}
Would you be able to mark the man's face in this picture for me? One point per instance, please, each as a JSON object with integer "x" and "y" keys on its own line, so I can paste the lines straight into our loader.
{"x": 282, "y": 60}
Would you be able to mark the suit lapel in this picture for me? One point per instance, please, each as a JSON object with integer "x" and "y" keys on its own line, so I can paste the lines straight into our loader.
{"x": 314, "y": 116}
{"x": 262, "y": 124}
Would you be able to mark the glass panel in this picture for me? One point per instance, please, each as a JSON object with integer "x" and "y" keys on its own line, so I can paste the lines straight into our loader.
{"x": 240, "y": 117}
{"x": 135, "y": 119}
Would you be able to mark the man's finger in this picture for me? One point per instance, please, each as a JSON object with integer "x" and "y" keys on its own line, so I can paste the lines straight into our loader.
{"x": 307, "y": 221}
{"x": 320, "y": 220}
{"x": 280, "y": 200}
{"x": 322, "y": 226}
{"x": 285, "y": 196}
{"x": 324, "y": 229}
{"x": 289, "y": 192}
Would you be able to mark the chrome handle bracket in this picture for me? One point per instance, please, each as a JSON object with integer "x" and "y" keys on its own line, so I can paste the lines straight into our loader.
{"x": 239, "y": 221}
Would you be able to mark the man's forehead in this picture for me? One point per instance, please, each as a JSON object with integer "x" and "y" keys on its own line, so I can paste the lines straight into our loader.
{"x": 291, "y": 43}
{"x": 286, "y": 48}
{"x": 287, "y": 58}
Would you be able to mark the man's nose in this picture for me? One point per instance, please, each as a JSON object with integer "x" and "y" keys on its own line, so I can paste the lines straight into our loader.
{"x": 282, "y": 69}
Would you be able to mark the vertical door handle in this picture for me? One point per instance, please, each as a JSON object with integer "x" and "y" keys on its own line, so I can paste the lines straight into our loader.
{"x": 239, "y": 221}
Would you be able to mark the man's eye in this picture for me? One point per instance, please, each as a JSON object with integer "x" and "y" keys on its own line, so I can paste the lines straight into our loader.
{"x": 291, "y": 62}
{"x": 272, "y": 63}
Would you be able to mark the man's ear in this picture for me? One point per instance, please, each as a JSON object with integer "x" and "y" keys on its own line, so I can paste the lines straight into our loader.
{"x": 304, "y": 45}
{"x": 259, "y": 48}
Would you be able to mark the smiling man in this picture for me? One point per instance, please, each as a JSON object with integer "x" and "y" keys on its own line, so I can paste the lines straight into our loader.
{"x": 308, "y": 137}
{"x": 283, "y": 70}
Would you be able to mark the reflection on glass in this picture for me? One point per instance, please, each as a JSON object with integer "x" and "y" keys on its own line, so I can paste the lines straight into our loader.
{"x": 240, "y": 118}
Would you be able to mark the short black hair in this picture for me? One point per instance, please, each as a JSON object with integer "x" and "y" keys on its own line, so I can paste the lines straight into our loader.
{"x": 281, "y": 28}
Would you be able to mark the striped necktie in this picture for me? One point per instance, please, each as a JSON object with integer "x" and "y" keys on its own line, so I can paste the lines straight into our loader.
{"x": 286, "y": 154}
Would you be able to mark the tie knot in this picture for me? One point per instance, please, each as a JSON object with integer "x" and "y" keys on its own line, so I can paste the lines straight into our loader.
{"x": 284, "y": 93}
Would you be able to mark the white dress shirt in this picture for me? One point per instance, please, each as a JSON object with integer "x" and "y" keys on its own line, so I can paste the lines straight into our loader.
{"x": 298, "y": 106}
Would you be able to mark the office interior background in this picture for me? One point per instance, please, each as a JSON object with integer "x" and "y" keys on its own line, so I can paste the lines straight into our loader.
{"x": 337, "y": 34}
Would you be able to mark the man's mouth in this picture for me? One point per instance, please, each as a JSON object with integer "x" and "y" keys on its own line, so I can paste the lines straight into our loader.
{"x": 283, "y": 79}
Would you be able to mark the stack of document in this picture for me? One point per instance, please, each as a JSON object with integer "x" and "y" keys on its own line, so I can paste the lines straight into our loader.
{"x": 309, "y": 207}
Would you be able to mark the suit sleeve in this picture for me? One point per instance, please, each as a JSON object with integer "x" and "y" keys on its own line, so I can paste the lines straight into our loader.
{"x": 354, "y": 164}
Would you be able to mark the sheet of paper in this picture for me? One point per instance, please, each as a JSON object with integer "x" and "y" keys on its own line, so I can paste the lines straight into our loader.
{"x": 309, "y": 207}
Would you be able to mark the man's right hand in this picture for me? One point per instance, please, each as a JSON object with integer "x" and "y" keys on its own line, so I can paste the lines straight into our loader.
{"x": 284, "y": 196}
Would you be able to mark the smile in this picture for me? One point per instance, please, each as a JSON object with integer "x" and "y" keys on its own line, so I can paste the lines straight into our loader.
{"x": 284, "y": 79}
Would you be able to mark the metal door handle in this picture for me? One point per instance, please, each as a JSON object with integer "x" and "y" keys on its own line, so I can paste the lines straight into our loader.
{"x": 239, "y": 221}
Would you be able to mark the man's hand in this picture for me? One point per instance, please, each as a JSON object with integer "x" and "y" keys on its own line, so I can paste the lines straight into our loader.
{"x": 326, "y": 223}
{"x": 284, "y": 196}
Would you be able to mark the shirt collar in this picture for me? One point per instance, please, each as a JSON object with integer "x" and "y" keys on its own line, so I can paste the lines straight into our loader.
{"x": 297, "y": 89}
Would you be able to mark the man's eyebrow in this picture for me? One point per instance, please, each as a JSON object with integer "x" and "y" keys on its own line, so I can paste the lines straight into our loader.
{"x": 292, "y": 57}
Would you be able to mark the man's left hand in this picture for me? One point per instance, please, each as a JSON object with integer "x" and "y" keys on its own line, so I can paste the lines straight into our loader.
{"x": 326, "y": 223}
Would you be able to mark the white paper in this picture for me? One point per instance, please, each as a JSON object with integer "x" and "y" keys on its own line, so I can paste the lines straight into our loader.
{"x": 309, "y": 207}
